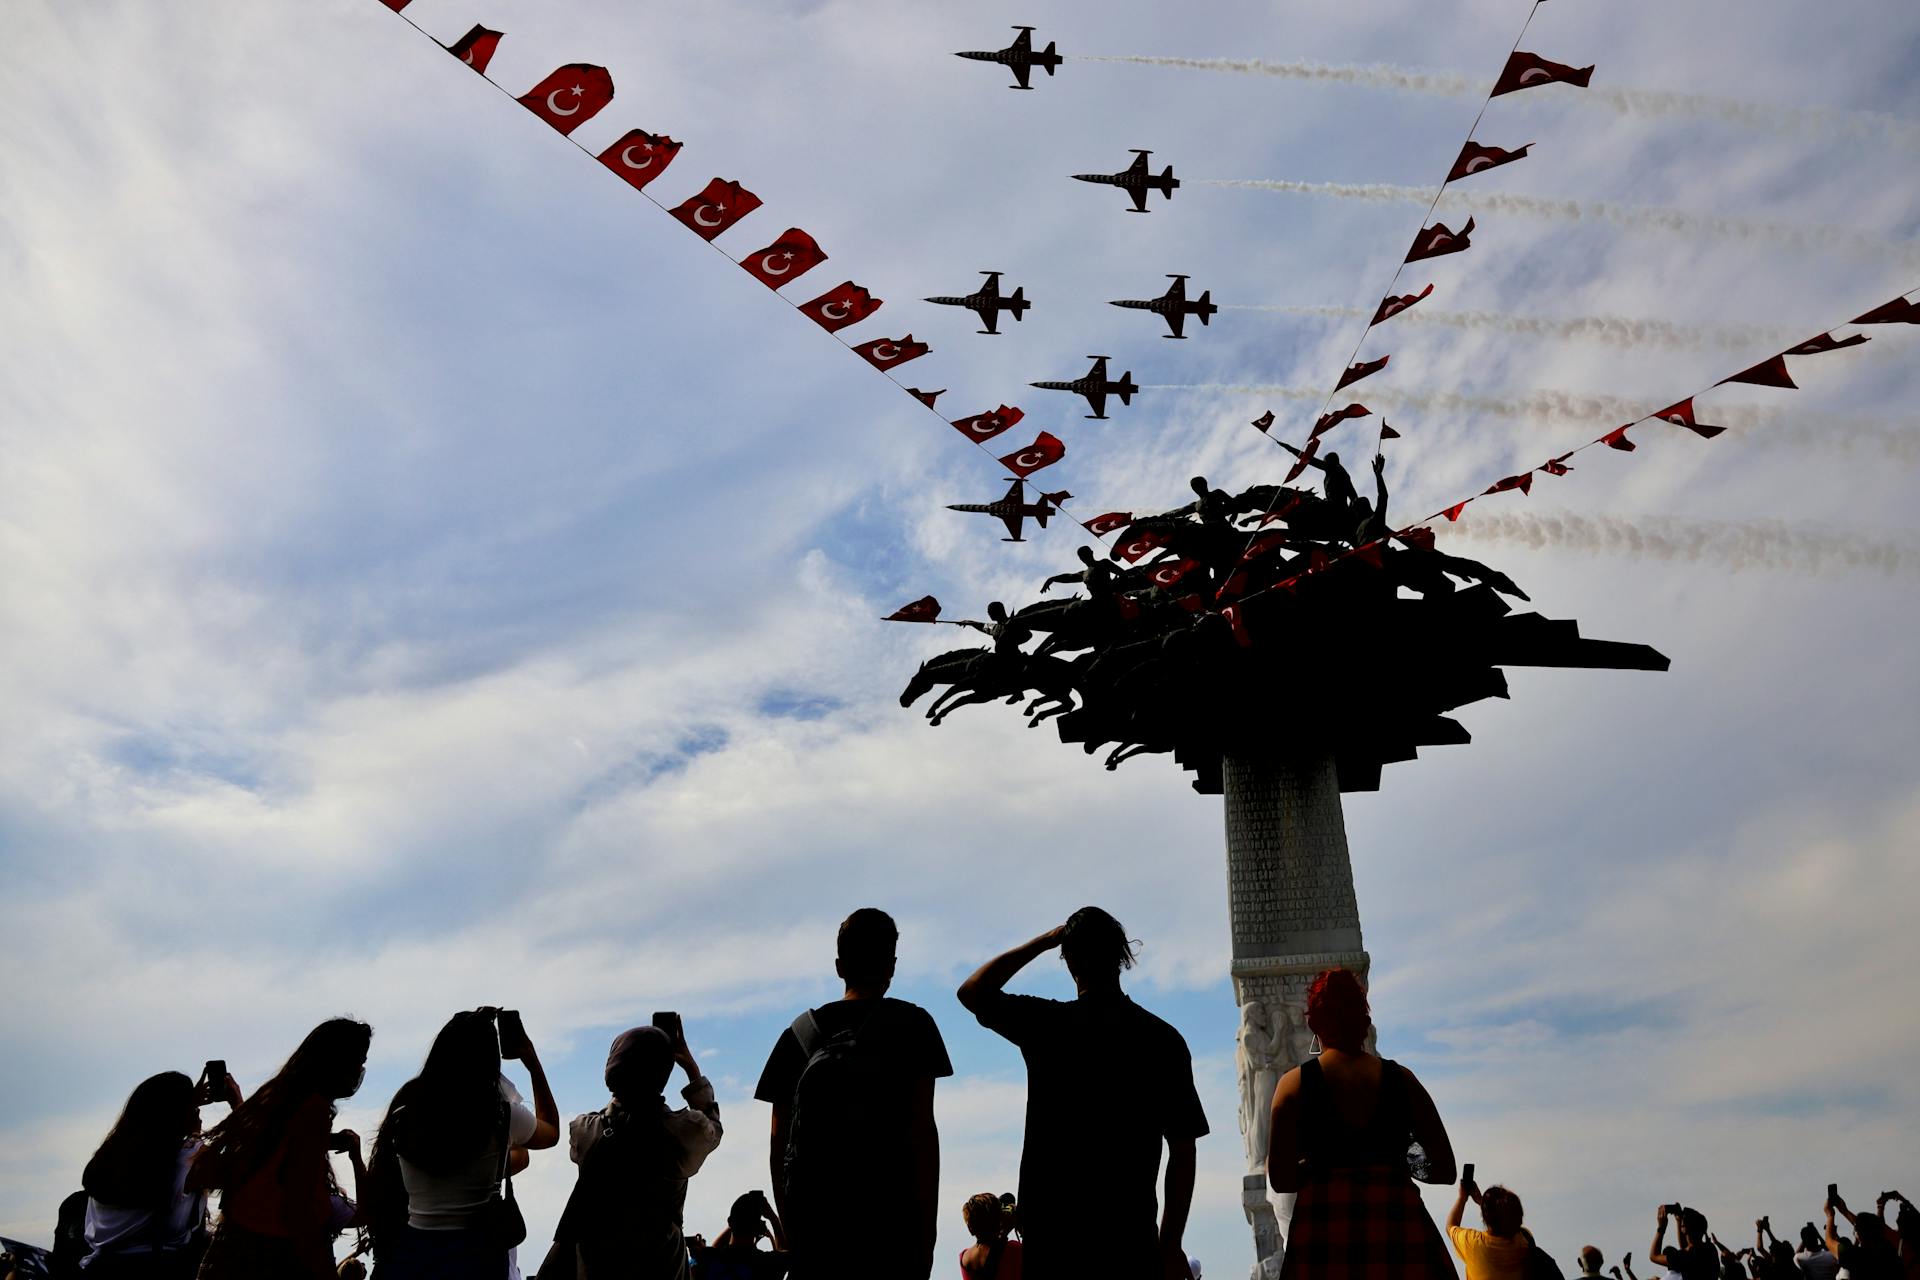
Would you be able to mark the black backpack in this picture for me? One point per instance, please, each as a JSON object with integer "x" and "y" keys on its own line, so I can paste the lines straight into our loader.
{"x": 832, "y": 1092}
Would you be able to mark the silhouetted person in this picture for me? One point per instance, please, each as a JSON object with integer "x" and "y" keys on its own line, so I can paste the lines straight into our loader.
{"x": 1097, "y": 576}
{"x": 1335, "y": 482}
{"x": 993, "y": 1255}
{"x": 1501, "y": 1251}
{"x": 1813, "y": 1258}
{"x": 854, "y": 1152}
{"x": 624, "y": 1217}
{"x": 69, "y": 1237}
{"x": 269, "y": 1162}
{"x": 452, "y": 1136}
{"x": 1871, "y": 1254}
{"x": 1091, "y": 1161}
{"x": 1591, "y": 1260}
{"x": 1693, "y": 1258}
{"x": 142, "y": 1222}
{"x": 1343, "y": 1126}
{"x": 735, "y": 1253}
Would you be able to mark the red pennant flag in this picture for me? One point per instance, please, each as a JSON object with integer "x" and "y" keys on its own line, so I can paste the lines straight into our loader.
{"x": 1681, "y": 415}
{"x": 1043, "y": 452}
{"x": 925, "y": 609}
{"x": 1235, "y": 585}
{"x": 1139, "y": 543}
{"x": 1557, "y": 466}
{"x": 1288, "y": 585}
{"x": 1475, "y": 158}
{"x": 1528, "y": 70}
{"x": 1112, "y": 522}
{"x": 1437, "y": 241}
{"x": 926, "y": 397}
{"x": 1262, "y": 545}
{"x": 1238, "y": 621}
{"x": 1127, "y": 607}
{"x": 884, "y": 353}
{"x": 1057, "y": 498}
{"x": 1373, "y": 553}
{"x": 1391, "y": 306}
{"x": 791, "y": 256}
{"x": 1899, "y": 311}
{"x": 1420, "y": 539}
{"x": 1165, "y": 575}
{"x": 639, "y": 157}
{"x": 844, "y": 304}
{"x": 1306, "y": 456}
{"x": 1387, "y": 432}
{"x": 474, "y": 48}
{"x": 570, "y": 96}
{"x": 1330, "y": 420}
{"x": 1768, "y": 373}
{"x": 1192, "y": 603}
{"x": 1617, "y": 439}
{"x": 1453, "y": 512}
{"x": 985, "y": 426}
{"x": 1824, "y": 343}
{"x": 1286, "y": 508}
{"x": 396, "y": 5}
{"x": 1317, "y": 560}
{"x": 1523, "y": 482}
{"x": 716, "y": 208}
{"x": 1365, "y": 369}
{"x": 1264, "y": 421}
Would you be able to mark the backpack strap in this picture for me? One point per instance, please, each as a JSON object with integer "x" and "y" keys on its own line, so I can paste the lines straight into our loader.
{"x": 806, "y": 1030}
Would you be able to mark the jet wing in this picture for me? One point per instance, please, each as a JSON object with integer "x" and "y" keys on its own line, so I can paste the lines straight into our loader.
{"x": 989, "y": 315}
{"x": 1013, "y": 520}
{"x": 1022, "y": 70}
{"x": 1022, "y": 43}
{"x": 1099, "y": 371}
{"x": 1139, "y": 194}
{"x": 1177, "y": 321}
{"x": 991, "y": 289}
{"x": 1138, "y": 169}
{"x": 1177, "y": 291}
{"x": 1097, "y": 401}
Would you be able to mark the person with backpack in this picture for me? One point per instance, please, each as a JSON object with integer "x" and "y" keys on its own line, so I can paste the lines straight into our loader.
{"x": 1090, "y": 1166}
{"x": 623, "y": 1218}
{"x": 993, "y": 1255}
{"x": 854, "y": 1152}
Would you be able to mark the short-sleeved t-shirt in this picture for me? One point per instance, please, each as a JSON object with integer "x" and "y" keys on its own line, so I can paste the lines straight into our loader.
{"x": 1490, "y": 1257}
{"x": 1816, "y": 1264}
{"x": 457, "y": 1198}
{"x": 1107, "y": 1082}
{"x": 1701, "y": 1262}
{"x": 1863, "y": 1263}
{"x": 170, "y": 1224}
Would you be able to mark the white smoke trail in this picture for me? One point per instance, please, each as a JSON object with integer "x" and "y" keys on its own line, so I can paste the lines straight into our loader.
{"x": 1631, "y": 216}
{"x": 1644, "y": 104}
{"x": 1735, "y": 545}
{"x": 1614, "y": 331}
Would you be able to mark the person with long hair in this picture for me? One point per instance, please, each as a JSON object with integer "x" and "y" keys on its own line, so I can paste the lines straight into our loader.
{"x": 1351, "y": 1131}
{"x": 142, "y": 1221}
{"x": 269, "y": 1161}
{"x": 452, "y": 1139}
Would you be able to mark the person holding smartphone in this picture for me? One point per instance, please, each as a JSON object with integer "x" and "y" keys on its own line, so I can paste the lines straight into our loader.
{"x": 624, "y": 1217}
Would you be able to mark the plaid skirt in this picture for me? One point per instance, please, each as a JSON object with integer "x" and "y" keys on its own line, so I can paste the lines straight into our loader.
{"x": 1363, "y": 1224}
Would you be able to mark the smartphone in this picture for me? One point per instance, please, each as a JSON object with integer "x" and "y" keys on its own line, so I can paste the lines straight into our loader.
{"x": 213, "y": 1081}
{"x": 1833, "y": 1192}
{"x": 513, "y": 1034}
{"x": 1466, "y": 1174}
{"x": 669, "y": 1022}
{"x": 338, "y": 1142}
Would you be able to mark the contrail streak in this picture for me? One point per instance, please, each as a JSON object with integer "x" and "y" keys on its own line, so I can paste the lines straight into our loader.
{"x": 1644, "y": 104}
{"x": 1613, "y": 331}
{"x": 1757, "y": 423}
{"x": 1734, "y": 544}
{"x": 1631, "y": 216}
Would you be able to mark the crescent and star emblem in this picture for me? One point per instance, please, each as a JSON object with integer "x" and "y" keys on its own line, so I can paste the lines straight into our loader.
{"x": 1533, "y": 75}
{"x": 626, "y": 158}
{"x": 845, "y": 310}
{"x": 766, "y": 263}
{"x": 467, "y": 57}
{"x": 1031, "y": 458}
{"x": 578, "y": 98}
{"x": 886, "y": 351}
{"x": 700, "y": 215}
{"x": 1478, "y": 163}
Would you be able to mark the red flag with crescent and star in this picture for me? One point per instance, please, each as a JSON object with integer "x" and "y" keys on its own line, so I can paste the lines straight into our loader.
{"x": 1237, "y": 619}
{"x": 1768, "y": 373}
{"x": 1111, "y": 522}
{"x": 1328, "y": 421}
{"x": 716, "y": 208}
{"x": 1523, "y": 482}
{"x": 1617, "y": 439}
{"x": 791, "y": 256}
{"x": 1264, "y": 422}
{"x": 926, "y": 397}
{"x": 1387, "y": 432}
{"x": 570, "y": 96}
{"x": 1139, "y": 543}
{"x": 885, "y": 353}
{"x": 1529, "y": 70}
{"x": 639, "y": 157}
{"x": 1824, "y": 343}
{"x": 844, "y": 304}
{"x": 1365, "y": 369}
{"x": 925, "y": 609}
{"x": 1391, "y": 306}
{"x": 1043, "y": 452}
{"x": 1475, "y": 158}
{"x": 476, "y": 47}
{"x": 1899, "y": 311}
{"x": 985, "y": 426}
{"x": 1265, "y": 544}
{"x": 1557, "y": 466}
{"x": 1681, "y": 415}
{"x": 1438, "y": 240}
{"x": 1165, "y": 575}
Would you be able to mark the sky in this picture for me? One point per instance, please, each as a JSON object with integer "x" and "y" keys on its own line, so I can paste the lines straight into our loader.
{"x": 429, "y": 577}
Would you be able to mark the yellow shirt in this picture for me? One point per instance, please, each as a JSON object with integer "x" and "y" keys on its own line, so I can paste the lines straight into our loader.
{"x": 1490, "y": 1257}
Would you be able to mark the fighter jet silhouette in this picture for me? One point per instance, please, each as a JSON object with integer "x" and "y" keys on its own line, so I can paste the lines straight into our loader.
{"x": 1012, "y": 510}
{"x": 987, "y": 303}
{"x": 1020, "y": 57}
{"x": 1135, "y": 180}
{"x": 1095, "y": 387}
{"x": 1173, "y": 305}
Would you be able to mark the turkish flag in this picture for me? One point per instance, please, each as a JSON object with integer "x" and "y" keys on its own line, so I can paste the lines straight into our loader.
{"x": 1329, "y": 420}
{"x": 1236, "y": 584}
{"x": 985, "y": 426}
{"x": 884, "y": 353}
{"x": 1265, "y": 544}
{"x": 1264, "y": 421}
{"x": 844, "y": 304}
{"x": 1453, "y": 512}
{"x": 570, "y": 96}
{"x": 925, "y": 609}
{"x": 1137, "y": 544}
{"x": 716, "y": 208}
{"x": 1475, "y": 158}
{"x": 1557, "y": 466}
{"x": 1899, "y": 311}
{"x": 926, "y": 397}
{"x": 1043, "y": 452}
{"x": 1165, "y": 575}
{"x": 640, "y": 157}
{"x": 1238, "y": 621}
{"x": 1437, "y": 241}
{"x": 1387, "y": 432}
{"x": 1391, "y": 306}
{"x": 1617, "y": 439}
{"x": 1420, "y": 539}
{"x": 1317, "y": 560}
{"x": 1527, "y": 70}
{"x": 1057, "y": 498}
{"x": 396, "y": 5}
{"x": 1824, "y": 343}
{"x": 1681, "y": 415}
{"x": 1112, "y": 522}
{"x": 1306, "y": 456}
{"x": 1523, "y": 482}
{"x": 1373, "y": 553}
{"x": 1768, "y": 373}
{"x": 1365, "y": 369}
{"x": 791, "y": 256}
{"x": 476, "y": 47}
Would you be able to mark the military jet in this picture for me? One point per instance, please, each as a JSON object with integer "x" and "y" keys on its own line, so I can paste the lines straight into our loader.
{"x": 1013, "y": 509}
{"x": 1095, "y": 387}
{"x": 1020, "y": 57}
{"x": 987, "y": 303}
{"x": 1174, "y": 307}
{"x": 1135, "y": 180}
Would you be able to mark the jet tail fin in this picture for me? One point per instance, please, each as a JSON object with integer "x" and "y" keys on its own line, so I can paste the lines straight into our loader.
{"x": 1040, "y": 516}
{"x": 1126, "y": 388}
{"x": 1019, "y": 301}
{"x": 1206, "y": 306}
{"x": 1052, "y": 57}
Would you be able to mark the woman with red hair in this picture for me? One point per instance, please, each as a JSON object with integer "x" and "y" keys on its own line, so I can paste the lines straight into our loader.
{"x": 1351, "y": 1132}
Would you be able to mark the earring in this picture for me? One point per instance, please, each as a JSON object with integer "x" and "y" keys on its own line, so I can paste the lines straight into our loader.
{"x": 1314, "y": 1048}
